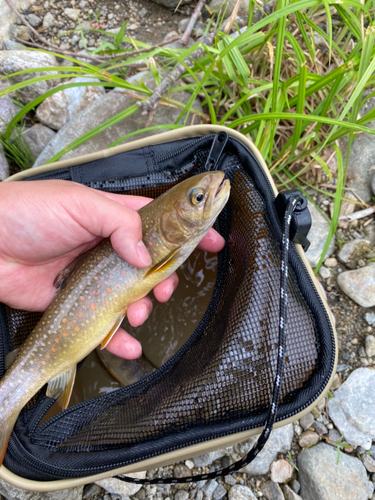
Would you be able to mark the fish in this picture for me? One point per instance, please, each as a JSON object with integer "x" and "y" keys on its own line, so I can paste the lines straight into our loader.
{"x": 95, "y": 290}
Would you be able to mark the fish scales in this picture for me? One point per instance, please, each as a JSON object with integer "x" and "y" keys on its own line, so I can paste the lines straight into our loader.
{"x": 90, "y": 307}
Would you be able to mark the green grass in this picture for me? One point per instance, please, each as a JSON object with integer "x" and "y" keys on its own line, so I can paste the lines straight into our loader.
{"x": 293, "y": 82}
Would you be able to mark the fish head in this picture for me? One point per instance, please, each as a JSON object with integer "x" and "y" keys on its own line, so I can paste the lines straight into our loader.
{"x": 191, "y": 207}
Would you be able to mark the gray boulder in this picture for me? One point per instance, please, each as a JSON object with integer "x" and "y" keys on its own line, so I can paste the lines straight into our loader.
{"x": 12, "y": 61}
{"x": 317, "y": 237}
{"x": 12, "y": 493}
{"x": 4, "y": 165}
{"x": 359, "y": 285}
{"x": 280, "y": 441}
{"x": 59, "y": 108}
{"x": 7, "y": 110}
{"x": 121, "y": 488}
{"x": 103, "y": 109}
{"x": 352, "y": 408}
{"x": 322, "y": 478}
{"x": 37, "y": 137}
{"x": 354, "y": 250}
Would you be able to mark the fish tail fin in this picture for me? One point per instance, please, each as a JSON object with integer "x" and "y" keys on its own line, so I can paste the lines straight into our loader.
{"x": 6, "y": 428}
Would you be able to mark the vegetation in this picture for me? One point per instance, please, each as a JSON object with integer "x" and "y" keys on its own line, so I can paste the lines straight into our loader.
{"x": 293, "y": 82}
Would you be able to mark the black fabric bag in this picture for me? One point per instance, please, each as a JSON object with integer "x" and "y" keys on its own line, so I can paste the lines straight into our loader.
{"x": 217, "y": 388}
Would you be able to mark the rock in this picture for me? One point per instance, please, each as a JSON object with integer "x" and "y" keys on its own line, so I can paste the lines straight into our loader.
{"x": 34, "y": 20}
{"x": 281, "y": 471}
{"x": 370, "y": 346}
{"x": 172, "y": 4}
{"x": 118, "y": 487}
{"x": 181, "y": 495}
{"x": 370, "y": 318}
{"x": 219, "y": 493}
{"x": 142, "y": 13}
{"x": 306, "y": 421}
{"x": 37, "y": 137}
{"x": 71, "y": 14}
{"x": 209, "y": 488}
{"x": 208, "y": 458}
{"x": 322, "y": 478}
{"x": 289, "y": 494}
{"x": 230, "y": 480}
{"x": 239, "y": 492}
{"x": 317, "y": 236}
{"x": 59, "y": 108}
{"x": 359, "y": 285}
{"x": 320, "y": 428}
{"x": 354, "y": 250}
{"x": 368, "y": 462}
{"x": 49, "y": 21}
{"x": 272, "y": 491}
{"x": 7, "y": 110}
{"x": 308, "y": 438}
{"x": 103, "y": 109}
{"x": 330, "y": 262}
{"x": 197, "y": 31}
{"x": 10, "y": 45}
{"x": 12, "y": 61}
{"x": 4, "y": 165}
{"x": 8, "y": 17}
{"x": 352, "y": 408}
{"x": 180, "y": 470}
{"x": 324, "y": 272}
{"x": 12, "y": 493}
{"x": 92, "y": 491}
{"x": 243, "y": 10}
{"x": 20, "y": 32}
{"x": 280, "y": 441}
{"x": 362, "y": 156}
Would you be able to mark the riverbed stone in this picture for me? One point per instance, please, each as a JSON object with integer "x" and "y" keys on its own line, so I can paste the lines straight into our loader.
{"x": 12, "y": 61}
{"x": 243, "y": 9}
{"x": 171, "y": 4}
{"x": 58, "y": 109}
{"x": 289, "y": 494}
{"x": 281, "y": 471}
{"x": 121, "y": 488}
{"x": 8, "y": 17}
{"x": 12, "y": 493}
{"x": 317, "y": 237}
{"x": 354, "y": 250}
{"x": 308, "y": 438}
{"x": 37, "y": 137}
{"x": 280, "y": 441}
{"x": 272, "y": 491}
{"x": 352, "y": 408}
{"x": 4, "y": 165}
{"x": 207, "y": 458}
{"x": 7, "y": 110}
{"x": 359, "y": 284}
{"x": 103, "y": 109}
{"x": 239, "y": 492}
{"x": 322, "y": 478}
{"x": 370, "y": 346}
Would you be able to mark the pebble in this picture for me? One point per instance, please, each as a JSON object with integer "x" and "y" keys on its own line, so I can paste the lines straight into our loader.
{"x": 208, "y": 458}
{"x": 320, "y": 428}
{"x": 181, "y": 470}
{"x": 370, "y": 318}
{"x": 308, "y": 438}
{"x": 354, "y": 250}
{"x": 209, "y": 488}
{"x": 34, "y": 20}
{"x": 71, "y": 14}
{"x": 289, "y": 494}
{"x": 359, "y": 285}
{"x": 118, "y": 487}
{"x": 368, "y": 462}
{"x": 272, "y": 491}
{"x": 181, "y": 495}
{"x": 37, "y": 137}
{"x": 219, "y": 493}
{"x": 230, "y": 480}
{"x": 48, "y": 20}
{"x": 330, "y": 262}
{"x": 239, "y": 492}
{"x": 189, "y": 464}
{"x": 324, "y": 272}
{"x": 322, "y": 478}
{"x": 318, "y": 235}
{"x": 4, "y": 165}
{"x": 370, "y": 346}
{"x": 306, "y": 421}
{"x": 281, "y": 471}
{"x": 352, "y": 409}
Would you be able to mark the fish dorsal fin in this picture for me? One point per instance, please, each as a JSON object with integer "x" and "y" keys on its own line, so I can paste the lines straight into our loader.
{"x": 63, "y": 277}
{"x": 112, "y": 331}
{"x": 62, "y": 386}
{"x": 165, "y": 263}
{"x": 10, "y": 357}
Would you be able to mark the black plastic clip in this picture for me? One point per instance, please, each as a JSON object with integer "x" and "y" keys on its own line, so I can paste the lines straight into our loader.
{"x": 216, "y": 150}
{"x": 301, "y": 218}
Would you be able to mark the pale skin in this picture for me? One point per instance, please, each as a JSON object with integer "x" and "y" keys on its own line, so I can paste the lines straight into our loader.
{"x": 44, "y": 225}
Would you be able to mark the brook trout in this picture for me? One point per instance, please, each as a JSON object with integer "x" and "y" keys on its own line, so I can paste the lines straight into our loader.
{"x": 96, "y": 289}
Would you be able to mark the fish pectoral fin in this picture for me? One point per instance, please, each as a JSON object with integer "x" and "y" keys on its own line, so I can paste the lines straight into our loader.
{"x": 165, "y": 263}
{"x": 112, "y": 331}
{"x": 62, "y": 386}
{"x": 10, "y": 357}
{"x": 63, "y": 277}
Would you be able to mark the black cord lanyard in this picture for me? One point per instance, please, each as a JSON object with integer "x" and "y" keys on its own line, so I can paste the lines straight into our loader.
{"x": 272, "y": 412}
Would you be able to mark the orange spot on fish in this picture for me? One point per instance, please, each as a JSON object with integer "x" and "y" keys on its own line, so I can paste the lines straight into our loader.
{"x": 53, "y": 349}
{"x": 123, "y": 272}
{"x": 111, "y": 276}
{"x": 96, "y": 278}
{"x": 150, "y": 243}
{"x": 57, "y": 341}
{"x": 48, "y": 356}
{"x": 64, "y": 320}
{"x": 93, "y": 307}
{"x": 96, "y": 293}
{"x": 127, "y": 286}
{"x": 64, "y": 334}
{"x": 42, "y": 362}
{"x": 76, "y": 328}
{"x": 82, "y": 298}
{"x": 154, "y": 254}
{"x": 80, "y": 314}
{"x": 105, "y": 303}
{"x": 108, "y": 290}
{"x": 117, "y": 286}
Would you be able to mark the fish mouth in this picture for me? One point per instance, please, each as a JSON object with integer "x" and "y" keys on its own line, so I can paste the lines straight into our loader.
{"x": 222, "y": 186}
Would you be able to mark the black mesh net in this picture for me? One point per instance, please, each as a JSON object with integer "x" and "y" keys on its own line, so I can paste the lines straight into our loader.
{"x": 221, "y": 380}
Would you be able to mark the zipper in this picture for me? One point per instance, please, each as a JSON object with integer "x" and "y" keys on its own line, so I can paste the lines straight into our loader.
{"x": 217, "y": 148}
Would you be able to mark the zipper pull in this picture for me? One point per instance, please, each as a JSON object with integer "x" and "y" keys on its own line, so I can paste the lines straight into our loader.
{"x": 216, "y": 150}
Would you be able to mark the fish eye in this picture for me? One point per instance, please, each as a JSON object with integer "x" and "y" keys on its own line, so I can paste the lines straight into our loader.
{"x": 196, "y": 195}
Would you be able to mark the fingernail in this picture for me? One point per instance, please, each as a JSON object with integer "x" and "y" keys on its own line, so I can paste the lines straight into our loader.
{"x": 143, "y": 253}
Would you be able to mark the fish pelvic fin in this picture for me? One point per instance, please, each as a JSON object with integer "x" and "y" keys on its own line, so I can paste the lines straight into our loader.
{"x": 6, "y": 428}
{"x": 62, "y": 387}
{"x": 112, "y": 331}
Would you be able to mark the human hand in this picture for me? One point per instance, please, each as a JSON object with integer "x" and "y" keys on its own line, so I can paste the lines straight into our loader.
{"x": 46, "y": 224}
